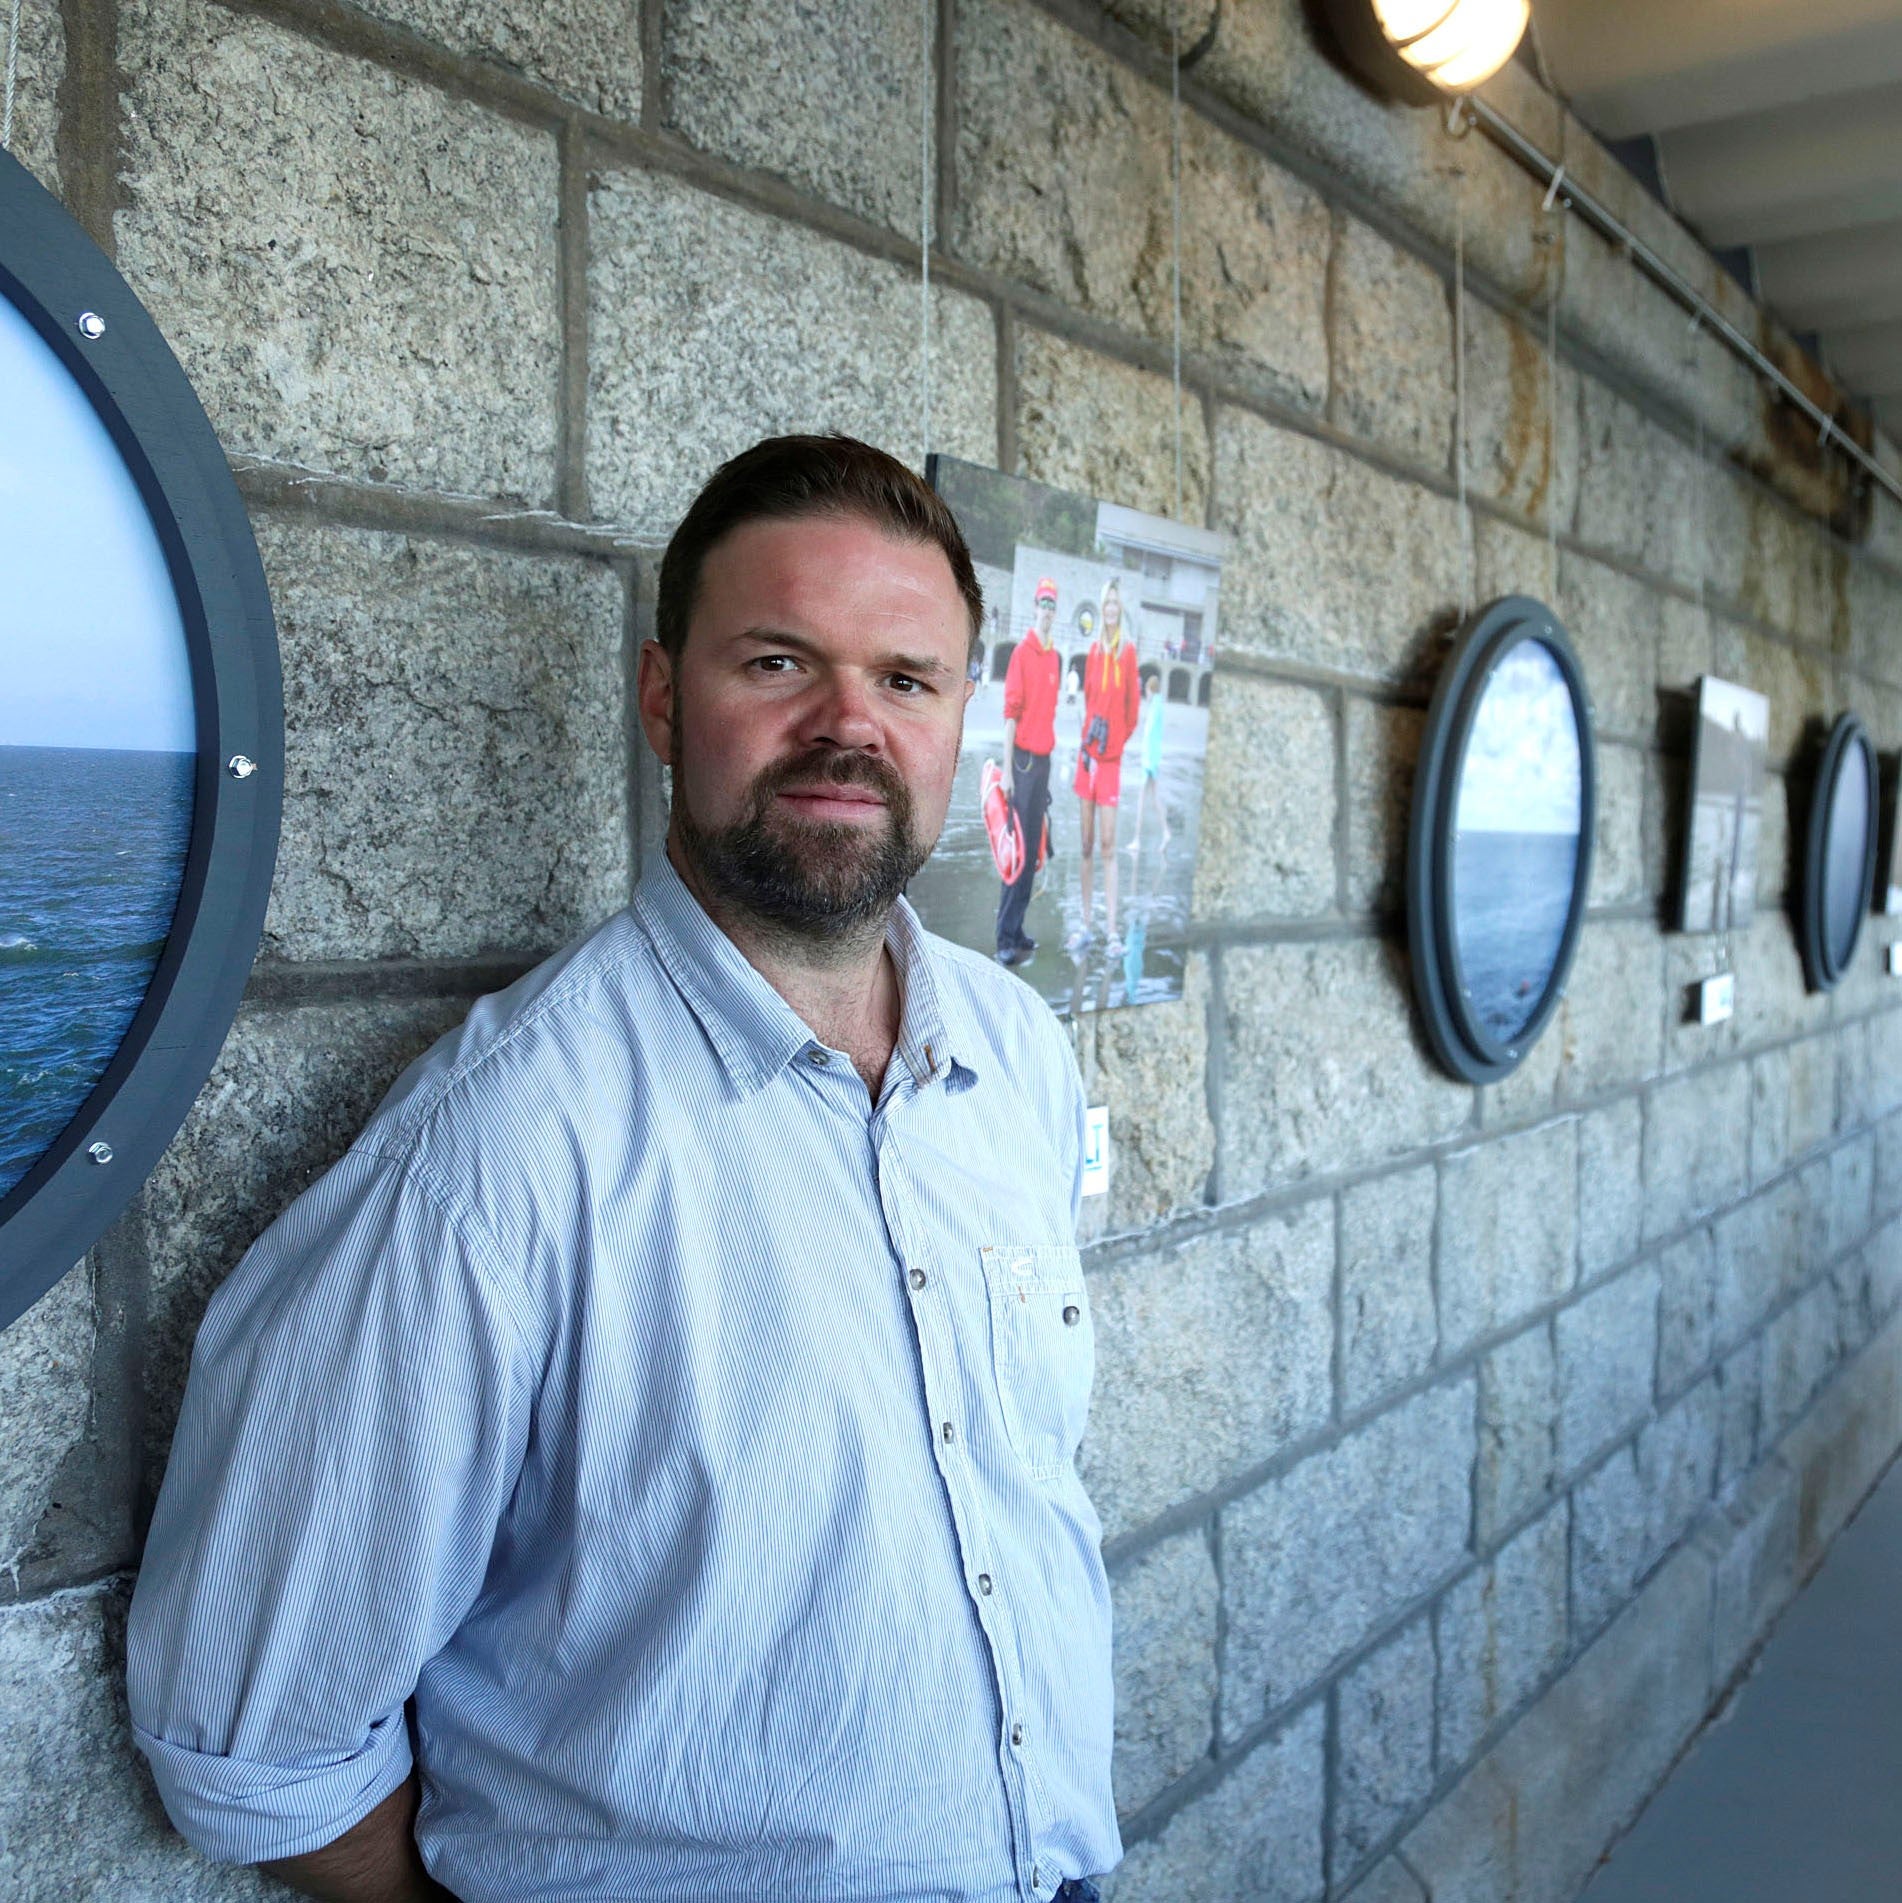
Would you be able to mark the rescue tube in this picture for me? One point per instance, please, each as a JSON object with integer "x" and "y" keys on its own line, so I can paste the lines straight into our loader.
{"x": 1006, "y": 833}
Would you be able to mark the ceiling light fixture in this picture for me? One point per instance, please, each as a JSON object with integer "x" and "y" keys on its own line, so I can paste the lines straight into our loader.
{"x": 1420, "y": 51}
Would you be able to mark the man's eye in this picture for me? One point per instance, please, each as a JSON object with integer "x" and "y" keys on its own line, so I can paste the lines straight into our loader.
{"x": 771, "y": 663}
{"x": 907, "y": 685}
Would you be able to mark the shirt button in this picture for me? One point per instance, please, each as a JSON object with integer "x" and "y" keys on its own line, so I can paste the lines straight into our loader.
{"x": 1017, "y": 1734}
{"x": 917, "y": 1278}
{"x": 819, "y": 1057}
{"x": 950, "y": 1433}
{"x": 984, "y": 1584}
{"x": 1072, "y": 1315}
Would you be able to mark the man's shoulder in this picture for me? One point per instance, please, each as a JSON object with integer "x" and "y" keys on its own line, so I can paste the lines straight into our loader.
{"x": 995, "y": 1004}
{"x": 535, "y": 1038}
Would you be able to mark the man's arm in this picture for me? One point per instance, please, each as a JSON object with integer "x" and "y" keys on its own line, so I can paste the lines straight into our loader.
{"x": 374, "y": 1861}
{"x": 1010, "y": 756}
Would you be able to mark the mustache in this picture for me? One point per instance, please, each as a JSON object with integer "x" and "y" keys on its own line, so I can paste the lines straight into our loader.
{"x": 825, "y": 767}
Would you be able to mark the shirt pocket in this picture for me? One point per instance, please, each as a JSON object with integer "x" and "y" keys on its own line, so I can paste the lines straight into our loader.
{"x": 1044, "y": 1349}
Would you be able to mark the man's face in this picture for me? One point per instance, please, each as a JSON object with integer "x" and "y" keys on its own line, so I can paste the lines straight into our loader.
{"x": 813, "y": 719}
{"x": 1046, "y": 616}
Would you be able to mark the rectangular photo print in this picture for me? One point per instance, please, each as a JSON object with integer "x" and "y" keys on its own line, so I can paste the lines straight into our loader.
{"x": 1069, "y": 850}
{"x": 1720, "y": 856}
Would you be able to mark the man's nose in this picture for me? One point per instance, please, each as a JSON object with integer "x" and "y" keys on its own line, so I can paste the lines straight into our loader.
{"x": 842, "y": 714}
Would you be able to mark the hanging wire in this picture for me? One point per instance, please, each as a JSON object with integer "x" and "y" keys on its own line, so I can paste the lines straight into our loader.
{"x": 928, "y": 16}
{"x": 1459, "y": 389}
{"x": 1557, "y": 248}
{"x": 13, "y": 75}
{"x": 1175, "y": 185}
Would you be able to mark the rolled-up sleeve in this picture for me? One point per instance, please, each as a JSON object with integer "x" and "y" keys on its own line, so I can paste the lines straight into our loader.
{"x": 355, "y": 1418}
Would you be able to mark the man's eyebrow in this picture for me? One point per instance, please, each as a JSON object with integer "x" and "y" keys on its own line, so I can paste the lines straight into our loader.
{"x": 923, "y": 666}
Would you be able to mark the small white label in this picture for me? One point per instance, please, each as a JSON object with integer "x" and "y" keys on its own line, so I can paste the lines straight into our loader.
{"x": 1717, "y": 998}
{"x": 1096, "y": 1150}
{"x": 1895, "y": 958}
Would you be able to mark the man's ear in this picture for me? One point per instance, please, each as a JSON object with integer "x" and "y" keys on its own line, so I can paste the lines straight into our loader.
{"x": 654, "y": 697}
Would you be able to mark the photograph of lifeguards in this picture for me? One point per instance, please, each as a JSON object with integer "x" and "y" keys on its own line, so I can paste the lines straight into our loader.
{"x": 1069, "y": 851}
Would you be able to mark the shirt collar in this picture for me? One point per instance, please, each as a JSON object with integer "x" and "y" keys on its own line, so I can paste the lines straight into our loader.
{"x": 755, "y": 1032}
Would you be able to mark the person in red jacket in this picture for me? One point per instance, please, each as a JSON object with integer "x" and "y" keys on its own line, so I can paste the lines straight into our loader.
{"x": 1031, "y": 684}
{"x": 1112, "y": 700}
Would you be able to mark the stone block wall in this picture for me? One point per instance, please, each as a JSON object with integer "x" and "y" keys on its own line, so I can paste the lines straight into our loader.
{"x": 1454, "y": 1447}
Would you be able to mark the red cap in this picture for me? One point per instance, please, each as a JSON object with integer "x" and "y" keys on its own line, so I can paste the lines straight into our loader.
{"x": 1046, "y": 590}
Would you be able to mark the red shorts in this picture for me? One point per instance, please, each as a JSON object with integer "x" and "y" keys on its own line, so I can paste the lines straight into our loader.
{"x": 1102, "y": 786}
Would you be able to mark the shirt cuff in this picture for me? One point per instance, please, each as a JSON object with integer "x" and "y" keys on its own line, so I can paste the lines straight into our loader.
{"x": 238, "y": 1812}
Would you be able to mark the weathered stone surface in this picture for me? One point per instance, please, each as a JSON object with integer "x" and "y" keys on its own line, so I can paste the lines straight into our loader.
{"x": 1875, "y": 612}
{"x": 1334, "y": 563}
{"x": 1165, "y": 1609}
{"x": 1151, "y": 1068}
{"x": 1388, "y": 1327}
{"x": 587, "y": 50}
{"x": 1697, "y": 1131}
{"x": 287, "y": 1096}
{"x": 1887, "y": 1197}
{"x": 1637, "y": 487}
{"x": 357, "y": 270}
{"x": 1799, "y": 1350}
{"x": 1393, "y": 347}
{"x": 1618, "y": 870}
{"x": 46, "y": 1368}
{"x": 1383, "y": 745}
{"x": 1384, "y": 1764}
{"x": 761, "y": 85}
{"x": 1773, "y": 843}
{"x": 1760, "y": 1255}
{"x": 1100, "y": 428}
{"x": 1740, "y": 1398}
{"x": 1610, "y": 1185}
{"x": 1315, "y": 1561}
{"x": 1521, "y": 419}
{"x": 1390, "y": 1881}
{"x": 1792, "y": 1103}
{"x": 1840, "y": 1449}
{"x": 1534, "y": 1816}
{"x": 1687, "y": 1310}
{"x": 1884, "y": 1256}
{"x": 1640, "y": 1503}
{"x": 1232, "y": 1332}
{"x": 1508, "y": 1230}
{"x": 1607, "y": 1031}
{"x": 1255, "y": 1838}
{"x": 1501, "y": 1632}
{"x": 456, "y": 774}
{"x": 1755, "y": 1567}
{"x": 41, "y": 68}
{"x": 1518, "y": 1413}
{"x": 1267, "y": 841}
{"x": 1323, "y": 1066}
{"x": 78, "y": 1815}
{"x": 1852, "y": 1183}
{"x": 1856, "y": 1319}
{"x": 1063, "y": 159}
{"x": 1616, "y": 624}
{"x": 1607, "y": 1345}
{"x": 711, "y": 325}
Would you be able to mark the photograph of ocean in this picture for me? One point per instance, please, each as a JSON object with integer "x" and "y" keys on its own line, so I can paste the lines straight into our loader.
{"x": 1511, "y": 894}
{"x": 92, "y": 849}
{"x": 1720, "y": 858}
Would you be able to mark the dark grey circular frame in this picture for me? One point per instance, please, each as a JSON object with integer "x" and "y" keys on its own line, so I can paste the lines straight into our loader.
{"x": 1460, "y": 1040}
{"x": 1848, "y": 740}
{"x": 55, "y": 275}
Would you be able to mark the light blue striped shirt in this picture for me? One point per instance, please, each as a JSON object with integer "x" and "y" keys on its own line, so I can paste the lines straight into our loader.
{"x": 690, "y": 1438}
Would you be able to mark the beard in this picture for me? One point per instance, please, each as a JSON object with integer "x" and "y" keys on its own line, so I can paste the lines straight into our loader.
{"x": 820, "y": 881}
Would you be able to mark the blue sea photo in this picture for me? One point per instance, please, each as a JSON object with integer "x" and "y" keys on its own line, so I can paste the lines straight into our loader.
{"x": 1516, "y": 839}
{"x": 97, "y": 749}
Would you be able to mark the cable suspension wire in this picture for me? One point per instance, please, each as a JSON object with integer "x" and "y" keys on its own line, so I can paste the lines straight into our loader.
{"x": 1459, "y": 389}
{"x": 1175, "y": 185}
{"x": 928, "y": 17}
{"x": 13, "y": 75}
{"x": 1573, "y": 198}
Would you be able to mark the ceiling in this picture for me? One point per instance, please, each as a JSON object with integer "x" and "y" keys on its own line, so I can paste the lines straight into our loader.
{"x": 1775, "y": 127}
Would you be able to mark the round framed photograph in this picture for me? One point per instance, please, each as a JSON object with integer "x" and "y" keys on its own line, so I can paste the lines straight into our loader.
{"x": 1839, "y": 863}
{"x": 1499, "y": 852}
{"x": 141, "y": 744}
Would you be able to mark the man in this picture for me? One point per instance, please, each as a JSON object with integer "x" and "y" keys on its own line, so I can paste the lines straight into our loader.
{"x": 1031, "y": 685}
{"x": 642, "y": 1468}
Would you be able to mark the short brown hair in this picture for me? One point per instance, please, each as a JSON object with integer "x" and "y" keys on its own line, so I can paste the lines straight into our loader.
{"x": 786, "y": 477}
